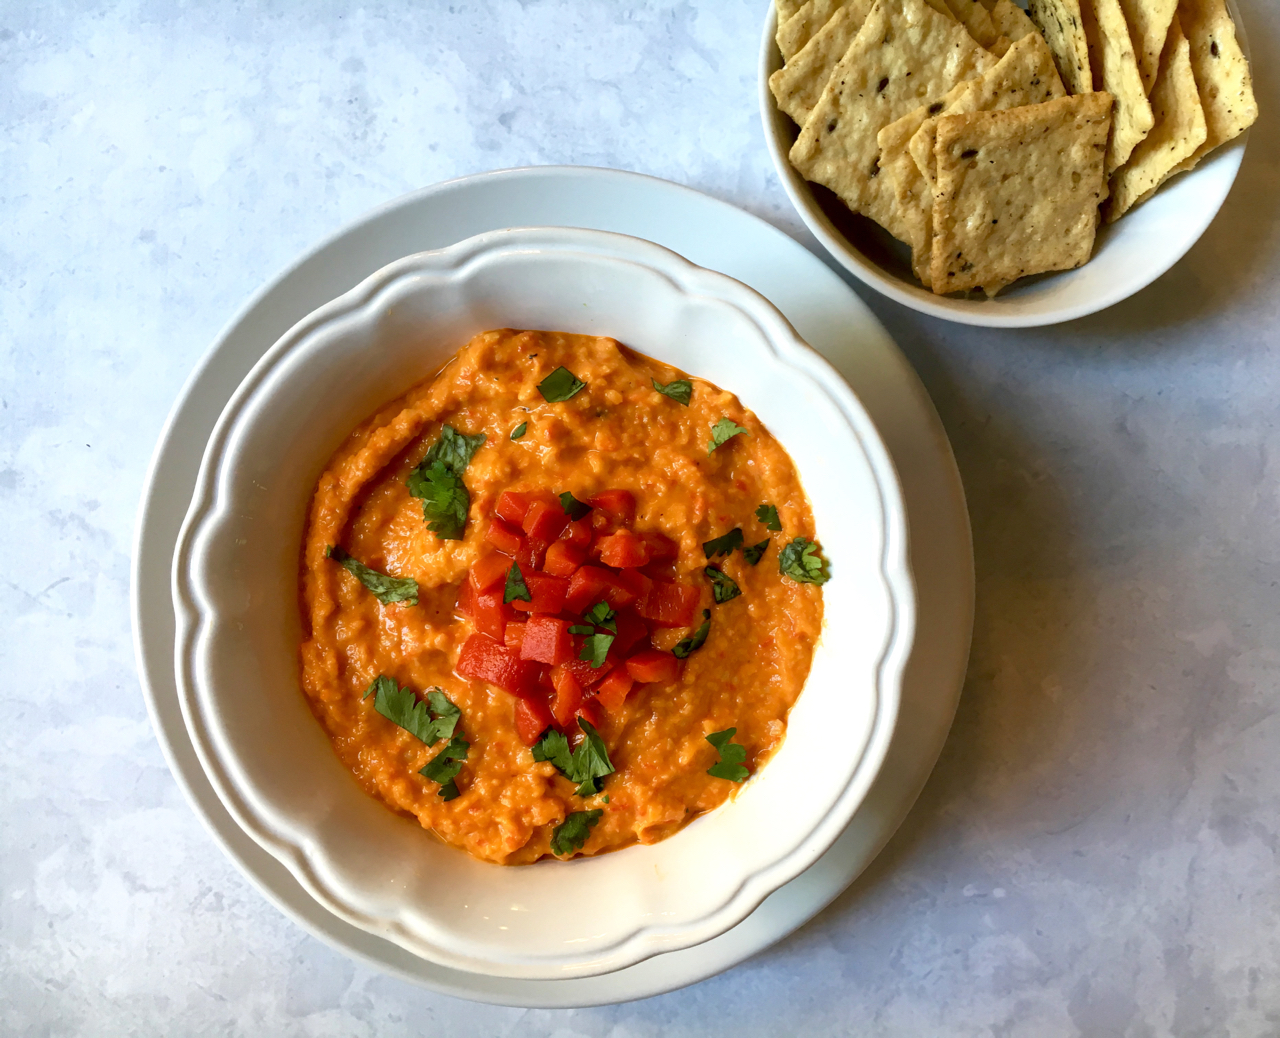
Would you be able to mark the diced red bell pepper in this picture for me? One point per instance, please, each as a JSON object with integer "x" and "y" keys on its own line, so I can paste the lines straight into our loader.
{"x": 513, "y": 636}
{"x": 507, "y": 539}
{"x": 670, "y": 605}
{"x": 614, "y": 689}
{"x": 578, "y": 532}
{"x": 626, "y": 587}
{"x": 631, "y": 631}
{"x": 491, "y": 614}
{"x": 488, "y": 571}
{"x": 586, "y": 588}
{"x": 653, "y": 665}
{"x": 547, "y": 640}
{"x": 544, "y": 521}
{"x": 568, "y": 695}
{"x": 466, "y": 600}
{"x": 547, "y": 594}
{"x": 563, "y": 558}
{"x": 587, "y": 675}
{"x": 620, "y": 505}
{"x": 483, "y": 659}
{"x": 533, "y": 717}
{"x": 661, "y": 547}
{"x": 622, "y": 550}
{"x": 591, "y": 712}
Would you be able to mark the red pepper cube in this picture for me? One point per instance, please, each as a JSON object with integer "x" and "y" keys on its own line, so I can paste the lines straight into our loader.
{"x": 578, "y": 532}
{"x": 631, "y": 631}
{"x": 507, "y": 539}
{"x": 547, "y": 594}
{"x": 544, "y": 521}
{"x": 622, "y": 550}
{"x": 489, "y": 571}
{"x": 512, "y": 505}
{"x": 513, "y": 636}
{"x": 586, "y": 588}
{"x": 568, "y": 695}
{"x": 661, "y": 547}
{"x": 491, "y": 614}
{"x": 653, "y": 665}
{"x": 614, "y": 689}
{"x": 466, "y": 605}
{"x": 483, "y": 659}
{"x": 619, "y": 505}
{"x": 626, "y": 587}
{"x": 587, "y": 675}
{"x": 547, "y": 640}
{"x": 670, "y": 605}
{"x": 590, "y": 711}
{"x": 533, "y": 717}
{"x": 563, "y": 558}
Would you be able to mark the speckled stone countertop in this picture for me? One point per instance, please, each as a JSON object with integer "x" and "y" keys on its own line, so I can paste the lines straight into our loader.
{"x": 1096, "y": 853}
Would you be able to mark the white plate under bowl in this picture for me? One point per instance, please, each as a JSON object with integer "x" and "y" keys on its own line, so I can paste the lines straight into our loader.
{"x": 235, "y": 579}
{"x": 1128, "y": 256}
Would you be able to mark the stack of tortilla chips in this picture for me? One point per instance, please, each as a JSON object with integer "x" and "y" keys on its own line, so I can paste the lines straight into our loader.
{"x": 988, "y": 140}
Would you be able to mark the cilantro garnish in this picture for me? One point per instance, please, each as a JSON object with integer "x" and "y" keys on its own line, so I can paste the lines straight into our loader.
{"x": 573, "y": 508}
{"x": 445, "y": 765}
{"x": 402, "y": 707}
{"x": 602, "y": 616}
{"x": 695, "y": 641}
{"x": 732, "y": 754}
{"x": 582, "y": 629}
{"x": 437, "y": 481}
{"x": 387, "y": 589}
{"x": 681, "y": 390}
{"x": 572, "y": 833}
{"x": 768, "y": 515}
{"x": 723, "y": 545}
{"x": 587, "y": 765}
{"x": 519, "y": 430}
{"x": 756, "y": 552}
{"x": 595, "y": 649}
{"x": 722, "y": 432}
{"x": 723, "y": 587}
{"x": 560, "y": 385}
{"x": 802, "y": 562}
{"x": 515, "y": 588}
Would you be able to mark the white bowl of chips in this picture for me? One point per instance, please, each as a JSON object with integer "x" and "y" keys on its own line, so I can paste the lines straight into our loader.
{"x": 1190, "y": 80}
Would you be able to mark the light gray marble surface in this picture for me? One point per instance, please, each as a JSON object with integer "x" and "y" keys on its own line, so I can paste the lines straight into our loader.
{"x": 1096, "y": 852}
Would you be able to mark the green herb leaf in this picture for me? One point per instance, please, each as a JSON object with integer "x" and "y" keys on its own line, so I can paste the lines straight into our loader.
{"x": 438, "y": 482}
{"x": 755, "y": 552}
{"x": 590, "y": 761}
{"x": 454, "y": 449}
{"x": 723, "y": 587}
{"x": 377, "y": 685}
{"x": 732, "y": 755}
{"x": 582, "y": 629}
{"x": 445, "y": 765}
{"x": 681, "y": 390}
{"x": 768, "y": 515}
{"x": 573, "y": 508}
{"x": 722, "y": 432}
{"x": 602, "y": 616}
{"x": 723, "y": 545}
{"x": 445, "y": 713}
{"x": 695, "y": 641}
{"x": 572, "y": 833}
{"x": 595, "y": 649}
{"x": 560, "y": 385}
{"x": 402, "y": 707}
{"x": 387, "y": 589}
{"x": 553, "y": 746}
{"x": 802, "y": 562}
{"x": 519, "y": 430}
{"x": 516, "y": 588}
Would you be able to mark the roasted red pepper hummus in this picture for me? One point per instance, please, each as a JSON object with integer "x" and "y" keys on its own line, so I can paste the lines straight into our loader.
{"x": 535, "y": 584}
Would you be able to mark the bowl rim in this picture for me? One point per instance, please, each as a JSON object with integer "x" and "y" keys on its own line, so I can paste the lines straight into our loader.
{"x": 777, "y": 334}
{"x": 978, "y": 313}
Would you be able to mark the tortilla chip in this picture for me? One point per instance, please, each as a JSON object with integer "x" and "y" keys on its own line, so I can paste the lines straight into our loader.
{"x": 797, "y": 86}
{"x": 1011, "y": 21}
{"x": 974, "y": 17}
{"x": 1018, "y": 191}
{"x": 1062, "y": 26}
{"x": 1115, "y": 70}
{"x": 787, "y": 8}
{"x": 802, "y": 26}
{"x": 1221, "y": 71}
{"x": 1178, "y": 132}
{"x": 1148, "y": 28}
{"x": 912, "y": 198}
{"x": 905, "y": 53}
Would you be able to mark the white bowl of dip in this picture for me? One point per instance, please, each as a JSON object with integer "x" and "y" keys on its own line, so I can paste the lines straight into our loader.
{"x": 235, "y": 587}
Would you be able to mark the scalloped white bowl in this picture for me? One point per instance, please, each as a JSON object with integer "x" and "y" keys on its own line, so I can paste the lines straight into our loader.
{"x": 235, "y": 589}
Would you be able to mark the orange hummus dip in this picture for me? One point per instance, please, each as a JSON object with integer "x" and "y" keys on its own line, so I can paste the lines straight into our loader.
{"x": 617, "y": 432}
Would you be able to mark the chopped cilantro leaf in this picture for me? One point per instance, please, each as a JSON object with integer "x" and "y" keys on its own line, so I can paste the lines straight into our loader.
{"x": 755, "y": 552}
{"x": 595, "y": 649}
{"x": 402, "y": 707}
{"x": 573, "y": 508}
{"x": 768, "y": 515}
{"x": 560, "y": 385}
{"x": 438, "y": 482}
{"x": 695, "y": 641}
{"x": 387, "y": 589}
{"x": 587, "y": 765}
{"x": 732, "y": 755}
{"x": 445, "y": 765}
{"x": 553, "y": 746}
{"x": 801, "y": 560}
{"x": 722, "y": 432}
{"x": 377, "y": 685}
{"x": 723, "y": 545}
{"x": 681, "y": 390}
{"x": 572, "y": 833}
{"x": 519, "y": 430}
{"x": 516, "y": 587}
{"x": 602, "y": 616}
{"x": 723, "y": 587}
{"x": 582, "y": 629}
{"x": 455, "y": 449}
